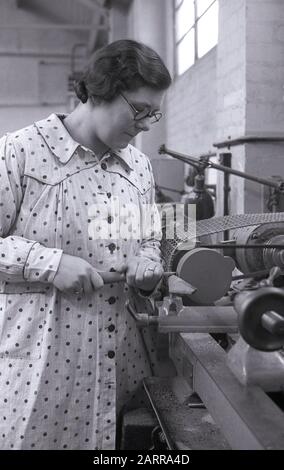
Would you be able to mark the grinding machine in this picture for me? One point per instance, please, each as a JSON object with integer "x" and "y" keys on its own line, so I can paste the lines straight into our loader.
{"x": 220, "y": 321}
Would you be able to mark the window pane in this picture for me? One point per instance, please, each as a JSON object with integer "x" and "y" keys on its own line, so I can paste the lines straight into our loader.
{"x": 207, "y": 36}
{"x": 185, "y": 53}
{"x": 184, "y": 18}
{"x": 202, "y": 5}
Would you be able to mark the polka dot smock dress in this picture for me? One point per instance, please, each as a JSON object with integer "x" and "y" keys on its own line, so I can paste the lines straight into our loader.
{"x": 68, "y": 362}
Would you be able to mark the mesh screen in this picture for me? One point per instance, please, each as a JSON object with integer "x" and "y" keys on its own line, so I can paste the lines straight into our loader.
{"x": 211, "y": 226}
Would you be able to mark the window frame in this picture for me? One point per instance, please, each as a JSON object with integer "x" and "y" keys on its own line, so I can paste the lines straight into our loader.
{"x": 194, "y": 27}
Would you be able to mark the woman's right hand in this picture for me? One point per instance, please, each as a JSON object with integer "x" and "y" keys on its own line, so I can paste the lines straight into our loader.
{"x": 76, "y": 275}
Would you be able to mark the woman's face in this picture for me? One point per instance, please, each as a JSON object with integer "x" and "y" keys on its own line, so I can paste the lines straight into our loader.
{"x": 114, "y": 124}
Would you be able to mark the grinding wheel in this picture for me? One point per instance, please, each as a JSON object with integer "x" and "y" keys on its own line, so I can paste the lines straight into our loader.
{"x": 208, "y": 271}
{"x": 251, "y": 307}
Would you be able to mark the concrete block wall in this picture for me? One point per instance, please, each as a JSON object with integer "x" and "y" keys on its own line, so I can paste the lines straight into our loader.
{"x": 236, "y": 90}
{"x": 250, "y": 94}
{"x": 265, "y": 66}
{"x": 151, "y": 23}
{"x": 231, "y": 69}
{"x": 265, "y": 93}
{"x": 34, "y": 67}
{"x": 191, "y": 108}
{"x": 147, "y": 23}
{"x": 264, "y": 160}
{"x": 231, "y": 95}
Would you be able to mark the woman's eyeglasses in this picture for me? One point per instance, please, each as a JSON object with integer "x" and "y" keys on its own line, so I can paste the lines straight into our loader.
{"x": 139, "y": 115}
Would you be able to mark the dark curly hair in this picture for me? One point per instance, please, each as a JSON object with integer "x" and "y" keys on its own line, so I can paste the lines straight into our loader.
{"x": 119, "y": 66}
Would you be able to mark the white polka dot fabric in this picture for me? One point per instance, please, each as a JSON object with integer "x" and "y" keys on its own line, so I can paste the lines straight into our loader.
{"x": 68, "y": 363}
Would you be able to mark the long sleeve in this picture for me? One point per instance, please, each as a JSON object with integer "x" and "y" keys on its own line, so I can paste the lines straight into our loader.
{"x": 20, "y": 259}
{"x": 151, "y": 234}
{"x": 151, "y": 226}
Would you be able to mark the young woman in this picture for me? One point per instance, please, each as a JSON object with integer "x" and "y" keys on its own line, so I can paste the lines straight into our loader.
{"x": 70, "y": 354}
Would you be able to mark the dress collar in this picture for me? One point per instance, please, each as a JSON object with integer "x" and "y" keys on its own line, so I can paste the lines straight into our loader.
{"x": 63, "y": 146}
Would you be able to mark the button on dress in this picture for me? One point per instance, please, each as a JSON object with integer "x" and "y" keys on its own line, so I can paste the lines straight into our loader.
{"x": 68, "y": 362}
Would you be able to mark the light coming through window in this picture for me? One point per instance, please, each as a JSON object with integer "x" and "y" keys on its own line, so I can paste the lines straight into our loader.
{"x": 196, "y": 30}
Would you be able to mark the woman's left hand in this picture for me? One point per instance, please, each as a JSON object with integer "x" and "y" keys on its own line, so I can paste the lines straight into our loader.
{"x": 142, "y": 273}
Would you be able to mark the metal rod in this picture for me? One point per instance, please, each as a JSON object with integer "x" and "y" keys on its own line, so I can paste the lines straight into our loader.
{"x": 273, "y": 322}
{"x": 141, "y": 319}
{"x": 112, "y": 276}
{"x": 43, "y": 26}
{"x": 170, "y": 442}
{"x": 170, "y": 189}
{"x": 42, "y": 54}
{"x": 188, "y": 159}
{"x": 226, "y": 159}
{"x": 264, "y": 272}
{"x": 227, "y": 245}
{"x": 247, "y": 140}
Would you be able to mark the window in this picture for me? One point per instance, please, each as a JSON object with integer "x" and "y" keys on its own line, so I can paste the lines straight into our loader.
{"x": 196, "y": 30}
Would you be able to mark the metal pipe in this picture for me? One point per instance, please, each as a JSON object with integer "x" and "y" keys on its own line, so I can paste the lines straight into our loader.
{"x": 41, "y": 54}
{"x": 170, "y": 189}
{"x": 247, "y": 140}
{"x": 42, "y": 26}
{"x": 141, "y": 319}
{"x": 170, "y": 442}
{"x": 256, "y": 274}
{"x": 273, "y": 322}
{"x": 113, "y": 276}
{"x": 226, "y": 161}
{"x": 188, "y": 159}
{"x": 232, "y": 245}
